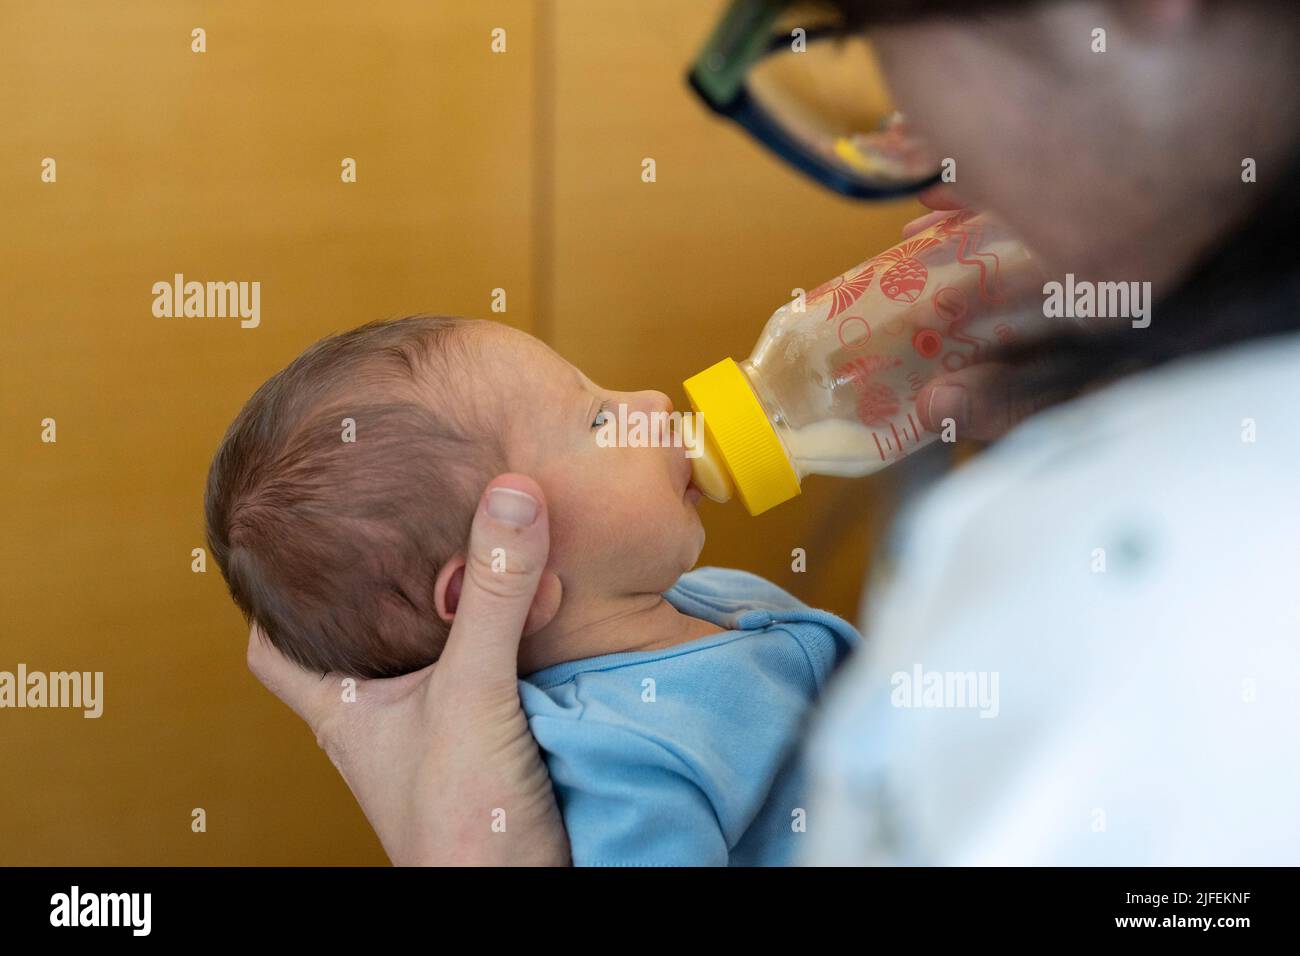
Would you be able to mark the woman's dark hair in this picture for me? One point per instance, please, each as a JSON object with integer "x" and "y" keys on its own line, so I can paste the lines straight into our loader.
{"x": 1245, "y": 288}
{"x": 862, "y": 14}
{"x": 1248, "y": 287}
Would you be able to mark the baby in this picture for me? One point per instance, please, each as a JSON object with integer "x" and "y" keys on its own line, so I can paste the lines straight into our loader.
{"x": 666, "y": 703}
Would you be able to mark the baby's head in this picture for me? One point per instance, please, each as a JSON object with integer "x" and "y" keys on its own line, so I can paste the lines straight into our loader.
{"x": 340, "y": 501}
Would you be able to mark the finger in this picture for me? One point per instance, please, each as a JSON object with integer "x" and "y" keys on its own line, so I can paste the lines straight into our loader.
{"x": 921, "y": 223}
{"x": 306, "y": 693}
{"x": 981, "y": 402}
{"x": 508, "y": 547}
{"x": 941, "y": 197}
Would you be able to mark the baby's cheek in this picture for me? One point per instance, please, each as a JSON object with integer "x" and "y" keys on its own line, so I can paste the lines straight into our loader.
{"x": 607, "y": 509}
{"x": 570, "y": 509}
{"x": 587, "y": 522}
{"x": 627, "y": 513}
{"x": 628, "y": 521}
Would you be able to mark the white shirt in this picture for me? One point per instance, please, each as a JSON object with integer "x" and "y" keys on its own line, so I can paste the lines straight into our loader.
{"x": 1123, "y": 575}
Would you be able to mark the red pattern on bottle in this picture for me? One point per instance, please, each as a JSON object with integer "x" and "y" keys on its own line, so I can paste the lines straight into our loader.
{"x": 877, "y": 403}
{"x": 950, "y": 303}
{"x": 905, "y": 278}
{"x": 845, "y": 289}
{"x": 857, "y": 372}
{"x": 861, "y": 340}
{"x": 928, "y": 343}
{"x": 968, "y": 235}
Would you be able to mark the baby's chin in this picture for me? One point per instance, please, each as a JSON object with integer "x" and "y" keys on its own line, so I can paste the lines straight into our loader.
{"x": 667, "y": 537}
{"x": 687, "y": 548}
{"x": 693, "y": 553}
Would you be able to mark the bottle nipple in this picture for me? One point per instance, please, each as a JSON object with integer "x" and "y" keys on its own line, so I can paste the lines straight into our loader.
{"x": 709, "y": 474}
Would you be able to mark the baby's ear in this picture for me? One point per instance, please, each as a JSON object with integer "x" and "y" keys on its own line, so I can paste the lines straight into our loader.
{"x": 446, "y": 587}
{"x": 451, "y": 577}
{"x": 550, "y": 592}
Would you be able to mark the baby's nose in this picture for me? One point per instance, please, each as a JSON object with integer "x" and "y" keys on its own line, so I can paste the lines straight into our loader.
{"x": 651, "y": 402}
{"x": 660, "y": 402}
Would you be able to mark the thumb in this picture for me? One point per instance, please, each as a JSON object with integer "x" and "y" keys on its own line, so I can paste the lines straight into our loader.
{"x": 942, "y": 197}
{"x": 921, "y": 223}
{"x": 509, "y": 543}
{"x": 981, "y": 401}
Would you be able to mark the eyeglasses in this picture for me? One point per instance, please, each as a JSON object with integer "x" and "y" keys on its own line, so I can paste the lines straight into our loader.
{"x": 806, "y": 86}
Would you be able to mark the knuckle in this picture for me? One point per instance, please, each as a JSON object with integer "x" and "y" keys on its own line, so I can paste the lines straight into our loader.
{"x": 501, "y": 572}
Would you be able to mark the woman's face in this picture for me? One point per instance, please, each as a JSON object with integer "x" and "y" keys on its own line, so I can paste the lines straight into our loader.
{"x": 1115, "y": 165}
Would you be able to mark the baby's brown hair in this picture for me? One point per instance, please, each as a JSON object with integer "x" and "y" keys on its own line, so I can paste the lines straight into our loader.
{"x": 332, "y": 546}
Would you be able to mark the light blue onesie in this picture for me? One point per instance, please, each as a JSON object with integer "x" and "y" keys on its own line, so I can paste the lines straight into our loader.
{"x": 685, "y": 756}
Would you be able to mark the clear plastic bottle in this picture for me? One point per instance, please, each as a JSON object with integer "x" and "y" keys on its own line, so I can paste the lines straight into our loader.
{"x": 831, "y": 386}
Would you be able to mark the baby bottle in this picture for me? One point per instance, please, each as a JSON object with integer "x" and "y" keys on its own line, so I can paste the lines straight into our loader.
{"x": 831, "y": 386}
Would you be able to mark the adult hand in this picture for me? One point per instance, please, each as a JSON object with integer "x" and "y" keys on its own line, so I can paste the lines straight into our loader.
{"x": 978, "y": 398}
{"x": 436, "y": 757}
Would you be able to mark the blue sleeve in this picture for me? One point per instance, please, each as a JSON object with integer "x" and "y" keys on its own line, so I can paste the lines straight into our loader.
{"x": 626, "y": 799}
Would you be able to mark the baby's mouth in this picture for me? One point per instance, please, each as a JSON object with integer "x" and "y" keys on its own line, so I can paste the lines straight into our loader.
{"x": 691, "y": 493}
{"x": 688, "y": 476}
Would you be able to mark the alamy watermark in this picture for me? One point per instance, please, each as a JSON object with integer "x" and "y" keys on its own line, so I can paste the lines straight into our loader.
{"x": 77, "y": 690}
{"x": 208, "y": 300}
{"x": 1081, "y": 299}
{"x": 75, "y": 908}
{"x": 955, "y": 690}
{"x": 632, "y": 428}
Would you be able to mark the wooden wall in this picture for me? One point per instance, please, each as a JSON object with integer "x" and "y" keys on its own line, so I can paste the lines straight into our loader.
{"x": 476, "y": 171}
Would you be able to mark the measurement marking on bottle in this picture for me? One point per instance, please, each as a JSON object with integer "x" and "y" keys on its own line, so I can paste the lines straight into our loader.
{"x": 895, "y": 444}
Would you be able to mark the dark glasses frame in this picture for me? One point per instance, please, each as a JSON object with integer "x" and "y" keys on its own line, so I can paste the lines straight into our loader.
{"x": 742, "y": 38}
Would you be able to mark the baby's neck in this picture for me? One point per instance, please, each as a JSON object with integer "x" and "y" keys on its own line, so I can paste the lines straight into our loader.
{"x": 635, "y": 622}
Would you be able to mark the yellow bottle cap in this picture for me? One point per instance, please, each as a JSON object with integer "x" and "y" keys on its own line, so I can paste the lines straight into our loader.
{"x": 739, "y": 436}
